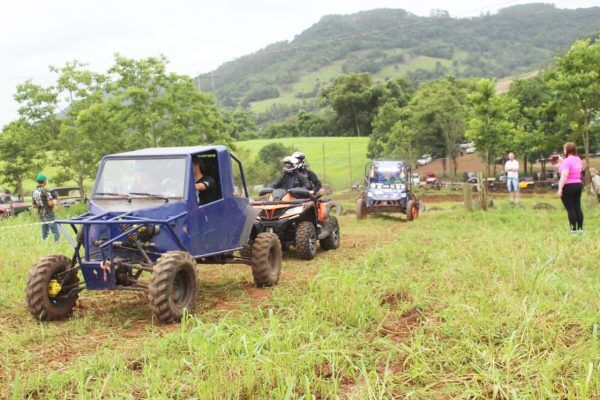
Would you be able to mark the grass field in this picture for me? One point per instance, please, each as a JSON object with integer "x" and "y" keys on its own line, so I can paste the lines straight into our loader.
{"x": 501, "y": 305}
{"x": 336, "y": 171}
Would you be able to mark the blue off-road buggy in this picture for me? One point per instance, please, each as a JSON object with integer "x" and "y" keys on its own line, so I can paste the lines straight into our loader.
{"x": 145, "y": 218}
{"x": 388, "y": 189}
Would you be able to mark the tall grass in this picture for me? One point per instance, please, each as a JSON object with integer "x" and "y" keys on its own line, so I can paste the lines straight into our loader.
{"x": 503, "y": 304}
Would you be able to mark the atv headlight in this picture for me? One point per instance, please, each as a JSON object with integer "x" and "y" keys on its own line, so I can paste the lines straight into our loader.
{"x": 372, "y": 186}
{"x": 294, "y": 210}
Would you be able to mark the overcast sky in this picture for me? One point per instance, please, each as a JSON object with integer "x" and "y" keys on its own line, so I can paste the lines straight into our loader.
{"x": 196, "y": 36}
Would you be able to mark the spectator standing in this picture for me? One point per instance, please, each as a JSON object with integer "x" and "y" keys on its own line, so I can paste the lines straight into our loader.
{"x": 44, "y": 201}
{"x": 570, "y": 186}
{"x": 511, "y": 167}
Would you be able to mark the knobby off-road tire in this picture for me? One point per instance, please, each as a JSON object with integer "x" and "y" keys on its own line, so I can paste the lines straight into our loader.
{"x": 173, "y": 286}
{"x": 306, "y": 240}
{"x": 332, "y": 241}
{"x": 266, "y": 259}
{"x": 39, "y": 302}
{"x": 361, "y": 208}
{"x": 412, "y": 210}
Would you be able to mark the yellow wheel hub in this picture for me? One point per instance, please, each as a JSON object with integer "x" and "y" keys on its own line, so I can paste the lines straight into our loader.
{"x": 54, "y": 288}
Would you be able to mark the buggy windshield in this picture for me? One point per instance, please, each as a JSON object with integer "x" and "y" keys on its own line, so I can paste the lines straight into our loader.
{"x": 155, "y": 178}
{"x": 388, "y": 173}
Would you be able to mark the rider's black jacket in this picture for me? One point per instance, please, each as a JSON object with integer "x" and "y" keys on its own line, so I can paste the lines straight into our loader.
{"x": 312, "y": 178}
{"x": 291, "y": 180}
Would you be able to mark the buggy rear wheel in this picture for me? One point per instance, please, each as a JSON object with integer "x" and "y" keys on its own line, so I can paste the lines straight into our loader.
{"x": 51, "y": 290}
{"x": 266, "y": 259}
{"x": 361, "y": 208}
{"x": 306, "y": 240}
{"x": 173, "y": 286}
{"x": 332, "y": 241}
{"x": 412, "y": 210}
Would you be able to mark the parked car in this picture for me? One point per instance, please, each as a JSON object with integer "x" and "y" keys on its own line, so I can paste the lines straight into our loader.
{"x": 425, "y": 159}
{"x": 68, "y": 196}
{"x": 470, "y": 150}
{"x": 470, "y": 177}
{"x": 11, "y": 205}
{"x": 466, "y": 145}
{"x": 526, "y": 182}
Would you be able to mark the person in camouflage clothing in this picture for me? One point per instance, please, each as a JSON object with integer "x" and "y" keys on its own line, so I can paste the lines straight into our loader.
{"x": 44, "y": 201}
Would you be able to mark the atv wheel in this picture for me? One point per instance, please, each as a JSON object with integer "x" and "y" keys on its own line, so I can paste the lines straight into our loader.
{"x": 46, "y": 298}
{"x": 266, "y": 259}
{"x": 332, "y": 241}
{"x": 306, "y": 240}
{"x": 361, "y": 208}
{"x": 412, "y": 210}
{"x": 173, "y": 286}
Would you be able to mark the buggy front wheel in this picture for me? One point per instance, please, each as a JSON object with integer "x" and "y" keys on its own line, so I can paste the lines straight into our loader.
{"x": 173, "y": 286}
{"x": 52, "y": 288}
{"x": 412, "y": 210}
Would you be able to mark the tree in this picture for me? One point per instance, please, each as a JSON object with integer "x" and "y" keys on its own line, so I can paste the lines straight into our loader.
{"x": 21, "y": 157}
{"x": 162, "y": 109}
{"x": 538, "y": 119}
{"x": 270, "y": 156}
{"x": 355, "y": 99}
{"x": 438, "y": 115}
{"x": 576, "y": 79}
{"x": 397, "y": 95}
{"x": 490, "y": 126}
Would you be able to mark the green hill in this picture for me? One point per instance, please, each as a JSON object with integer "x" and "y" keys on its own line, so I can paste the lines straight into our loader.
{"x": 388, "y": 43}
{"x": 337, "y": 163}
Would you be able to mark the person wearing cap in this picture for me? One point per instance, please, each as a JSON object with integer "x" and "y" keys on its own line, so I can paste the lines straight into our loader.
{"x": 44, "y": 201}
{"x": 310, "y": 175}
{"x": 291, "y": 177}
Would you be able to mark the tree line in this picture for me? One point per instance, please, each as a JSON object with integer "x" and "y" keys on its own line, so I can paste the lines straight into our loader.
{"x": 86, "y": 115}
{"x": 137, "y": 103}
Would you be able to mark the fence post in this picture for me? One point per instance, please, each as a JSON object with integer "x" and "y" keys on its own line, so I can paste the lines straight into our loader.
{"x": 468, "y": 195}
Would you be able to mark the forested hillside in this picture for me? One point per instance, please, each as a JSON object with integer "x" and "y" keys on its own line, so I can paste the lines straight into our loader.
{"x": 387, "y": 43}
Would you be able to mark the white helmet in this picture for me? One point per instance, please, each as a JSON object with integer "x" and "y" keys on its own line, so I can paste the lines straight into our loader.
{"x": 300, "y": 156}
{"x": 292, "y": 162}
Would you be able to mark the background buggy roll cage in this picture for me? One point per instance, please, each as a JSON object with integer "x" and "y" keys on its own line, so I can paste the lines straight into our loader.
{"x": 408, "y": 171}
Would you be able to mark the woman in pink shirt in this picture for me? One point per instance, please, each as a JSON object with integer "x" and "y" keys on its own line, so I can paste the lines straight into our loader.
{"x": 570, "y": 186}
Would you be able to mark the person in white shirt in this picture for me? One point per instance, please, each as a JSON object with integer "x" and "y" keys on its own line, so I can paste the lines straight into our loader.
{"x": 512, "y": 177}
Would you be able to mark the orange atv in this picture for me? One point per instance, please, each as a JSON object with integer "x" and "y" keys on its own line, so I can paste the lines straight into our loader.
{"x": 298, "y": 219}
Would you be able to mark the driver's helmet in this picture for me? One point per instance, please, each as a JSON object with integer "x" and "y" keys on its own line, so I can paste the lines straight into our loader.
{"x": 301, "y": 159}
{"x": 290, "y": 164}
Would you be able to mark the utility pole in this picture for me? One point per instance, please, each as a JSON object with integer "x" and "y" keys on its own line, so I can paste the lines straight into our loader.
{"x": 324, "y": 170}
{"x": 350, "y": 165}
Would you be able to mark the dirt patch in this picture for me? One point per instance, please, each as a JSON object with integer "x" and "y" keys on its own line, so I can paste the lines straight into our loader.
{"x": 395, "y": 298}
{"x": 400, "y": 329}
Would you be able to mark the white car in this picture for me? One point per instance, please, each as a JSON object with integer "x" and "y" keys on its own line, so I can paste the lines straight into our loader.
{"x": 470, "y": 150}
{"x": 466, "y": 145}
{"x": 415, "y": 179}
{"x": 425, "y": 159}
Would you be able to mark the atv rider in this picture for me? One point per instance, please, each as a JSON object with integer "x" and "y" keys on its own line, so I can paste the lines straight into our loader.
{"x": 291, "y": 177}
{"x": 310, "y": 175}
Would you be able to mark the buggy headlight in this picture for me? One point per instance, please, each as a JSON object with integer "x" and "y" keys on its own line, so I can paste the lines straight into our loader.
{"x": 294, "y": 210}
{"x": 372, "y": 186}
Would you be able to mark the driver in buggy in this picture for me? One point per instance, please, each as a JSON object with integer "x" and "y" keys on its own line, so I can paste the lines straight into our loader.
{"x": 291, "y": 177}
